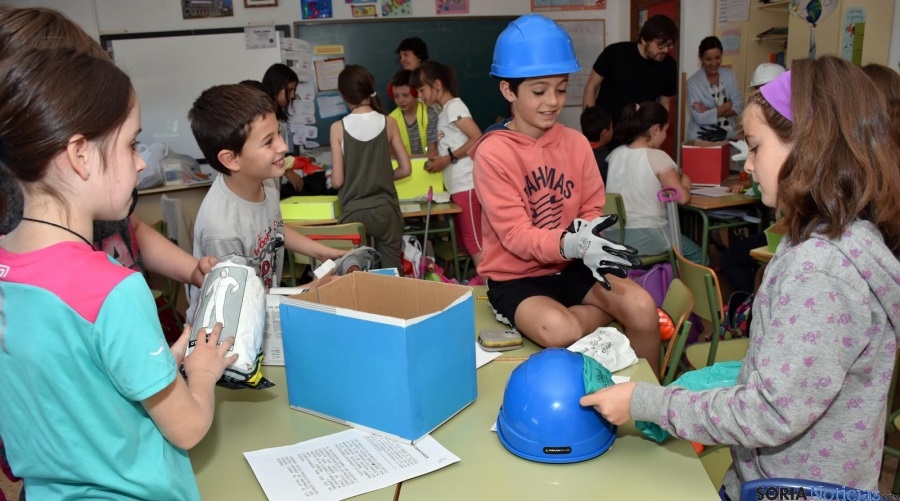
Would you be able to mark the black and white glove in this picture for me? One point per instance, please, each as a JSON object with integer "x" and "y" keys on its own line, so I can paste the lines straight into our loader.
{"x": 583, "y": 241}
{"x": 712, "y": 133}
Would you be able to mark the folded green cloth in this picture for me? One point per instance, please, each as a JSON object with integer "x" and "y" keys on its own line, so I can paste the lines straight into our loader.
{"x": 720, "y": 375}
{"x": 596, "y": 376}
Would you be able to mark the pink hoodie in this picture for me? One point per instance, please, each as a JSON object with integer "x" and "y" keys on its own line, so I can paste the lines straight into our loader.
{"x": 530, "y": 191}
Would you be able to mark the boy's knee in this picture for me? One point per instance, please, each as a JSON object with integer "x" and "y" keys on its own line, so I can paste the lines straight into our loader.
{"x": 641, "y": 308}
{"x": 555, "y": 329}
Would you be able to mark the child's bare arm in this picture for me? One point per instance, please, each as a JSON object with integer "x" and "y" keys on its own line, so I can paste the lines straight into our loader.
{"x": 337, "y": 155}
{"x": 296, "y": 242}
{"x": 671, "y": 179}
{"x": 404, "y": 167}
{"x": 183, "y": 411}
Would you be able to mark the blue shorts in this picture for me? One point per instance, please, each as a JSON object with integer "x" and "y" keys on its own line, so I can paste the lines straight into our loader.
{"x": 568, "y": 287}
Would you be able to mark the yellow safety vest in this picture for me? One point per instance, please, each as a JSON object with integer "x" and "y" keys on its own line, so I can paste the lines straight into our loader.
{"x": 421, "y": 120}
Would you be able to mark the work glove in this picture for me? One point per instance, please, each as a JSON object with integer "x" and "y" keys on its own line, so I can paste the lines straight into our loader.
{"x": 742, "y": 148}
{"x": 583, "y": 241}
{"x": 712, "y": 133}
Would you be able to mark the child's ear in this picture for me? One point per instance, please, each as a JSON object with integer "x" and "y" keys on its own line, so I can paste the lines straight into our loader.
{"x": 507, "y": 92}
{"x": 79, "y": 156}
{"x": 229, "y": 159}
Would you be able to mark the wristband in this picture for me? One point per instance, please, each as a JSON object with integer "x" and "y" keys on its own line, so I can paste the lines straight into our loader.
{"x": 452, "y": 158}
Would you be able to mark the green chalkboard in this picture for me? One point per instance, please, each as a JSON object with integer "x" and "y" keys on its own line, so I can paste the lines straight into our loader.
{"x": 465, "y": 43}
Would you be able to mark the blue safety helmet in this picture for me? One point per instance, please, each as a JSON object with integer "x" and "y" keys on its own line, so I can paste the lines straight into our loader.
{"x": 533, "y": 46}
{"x": 541, "y": 418}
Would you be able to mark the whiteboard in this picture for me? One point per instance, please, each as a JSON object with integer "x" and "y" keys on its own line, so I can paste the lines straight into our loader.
{"x": 589, "y": 38}
{"x": 169, "y": 70}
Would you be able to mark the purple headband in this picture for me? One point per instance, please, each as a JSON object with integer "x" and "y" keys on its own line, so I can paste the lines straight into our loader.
{"x": 778, "y": 94}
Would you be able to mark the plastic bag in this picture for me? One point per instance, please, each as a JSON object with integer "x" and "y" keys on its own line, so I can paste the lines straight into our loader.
{"x": 153, "y": 175}
{"x": 234, "y": 296}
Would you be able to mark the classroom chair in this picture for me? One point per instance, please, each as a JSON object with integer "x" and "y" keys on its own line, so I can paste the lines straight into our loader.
{"x": 444, "y": 250}
{"x": 893, "y": 424}
{"x": 788, "y": 488}
{"x": 344, "y": 236}
{"x": 615, "y": 205}
{"x": 704, "y": 284}
{"x": 172, "y": 290}
{"x": 678, "y": 304}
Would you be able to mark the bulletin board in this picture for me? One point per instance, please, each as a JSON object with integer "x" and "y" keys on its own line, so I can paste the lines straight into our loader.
{"x": 589, "y": 38}
{"x": 170, "y": 69}
{"x": 465, "y": 43}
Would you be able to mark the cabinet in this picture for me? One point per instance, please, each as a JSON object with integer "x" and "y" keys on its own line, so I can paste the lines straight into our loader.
{"x": 795, "y": 44}
{"x": 755, "y": 50}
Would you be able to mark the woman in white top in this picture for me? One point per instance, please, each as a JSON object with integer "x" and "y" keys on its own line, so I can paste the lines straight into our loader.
{"x": 638, "y": 170}
{"x": 713, "y": 93}
{"x": 457, "y": 132}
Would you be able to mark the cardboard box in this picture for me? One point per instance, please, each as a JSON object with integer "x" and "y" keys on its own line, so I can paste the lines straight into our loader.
{"x": 417, "y": 184}
{"x": 387, "y": 354}
{"x": 310, "y": 208}
{"x": 706, "y": 162}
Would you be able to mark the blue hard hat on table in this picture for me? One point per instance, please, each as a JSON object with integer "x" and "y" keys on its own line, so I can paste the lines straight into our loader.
{"x": 533, "y": 46}
{"x": 541, "y": 418}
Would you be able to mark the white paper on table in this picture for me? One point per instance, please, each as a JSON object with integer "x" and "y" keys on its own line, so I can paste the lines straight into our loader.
{"x": 343, "y": 465}
{"x": 482, "y": 357}
{"x": 710, "y": 191}
{"x": 616, "y": 380}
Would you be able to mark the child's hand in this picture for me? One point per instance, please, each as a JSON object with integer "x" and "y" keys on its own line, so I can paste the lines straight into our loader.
{"x": 437, "y": 164}
{"x": 736, "y": 188}
{"x": 207, "y": 360}
{"x": 332, "y": 253}
{"x": 613, "y": 402}
{"x": 204, "y": 265}
{"x": 295, "y": 180}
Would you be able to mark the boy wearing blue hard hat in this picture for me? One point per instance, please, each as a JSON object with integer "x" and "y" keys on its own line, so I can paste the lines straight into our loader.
{"x": 549, "y": 273}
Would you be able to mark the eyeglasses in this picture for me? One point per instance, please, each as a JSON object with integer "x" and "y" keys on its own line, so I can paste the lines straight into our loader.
{"x": 665, "y": 45}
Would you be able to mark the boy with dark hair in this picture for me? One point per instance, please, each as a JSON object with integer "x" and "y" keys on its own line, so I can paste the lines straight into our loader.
{"x": 236, "y": 129}
{"x": 549, "y": 272}
{"x": 413, "y": 52}
{"x": 634, "y": 72}
{"x": 596, "y": 125}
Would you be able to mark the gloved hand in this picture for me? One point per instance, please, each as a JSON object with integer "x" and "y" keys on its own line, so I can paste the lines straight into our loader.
{"x": 742, "y": 148}
{"x": 712, "y": 133}
{"x": 583, "y": 241}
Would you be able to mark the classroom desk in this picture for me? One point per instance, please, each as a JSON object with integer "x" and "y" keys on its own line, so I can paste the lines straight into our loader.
{"x": 633, "y": 468}
{"x": 441, "y": 224}
{"x": 249, "y": 420}
{"x": 699, "y": 205}
{"x": 762, "y": 254}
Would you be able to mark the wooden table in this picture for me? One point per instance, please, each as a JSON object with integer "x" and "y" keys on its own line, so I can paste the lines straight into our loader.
{"x": 633, "y": 468}
{"x": 701, "y": 205}
{"x": 441, "y": 222}
{"x": 762, "y": 254}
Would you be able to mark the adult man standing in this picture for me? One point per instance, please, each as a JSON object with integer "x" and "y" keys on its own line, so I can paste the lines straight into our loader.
{"x": 631, "y": 72}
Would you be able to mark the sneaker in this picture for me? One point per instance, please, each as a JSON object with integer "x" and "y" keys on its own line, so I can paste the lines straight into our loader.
{"x": 359, "y": 259}
{"x": 499, "y": 317}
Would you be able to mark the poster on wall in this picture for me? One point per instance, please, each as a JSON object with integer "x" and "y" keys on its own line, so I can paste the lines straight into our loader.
{"x": 452, "y": 6}
{"x": 396, "y": 8}
{"x": 315, "y": 9}
{"x": 546, "y": 5}
{"x": 364, "y": 10}
{"x": 589, "y": 39}
{"x": 731, "y": 41}
{"x": 853, "y": 32}
{"x": 199, "y": 9}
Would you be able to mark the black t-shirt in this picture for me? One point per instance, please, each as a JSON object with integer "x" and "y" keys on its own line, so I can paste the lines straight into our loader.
{"x": 630, "y": 78}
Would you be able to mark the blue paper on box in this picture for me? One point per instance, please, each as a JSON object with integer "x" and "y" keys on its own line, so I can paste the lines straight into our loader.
{"x": 387, "y": 354}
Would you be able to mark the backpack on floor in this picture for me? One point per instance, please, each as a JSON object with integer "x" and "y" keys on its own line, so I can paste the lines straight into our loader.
{"x": 737, "y": 315}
